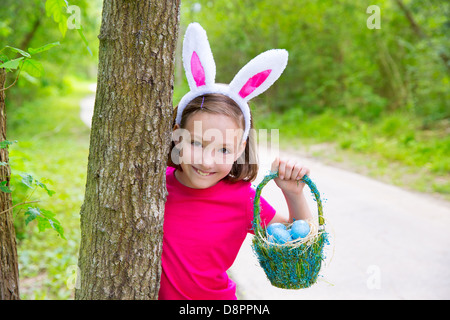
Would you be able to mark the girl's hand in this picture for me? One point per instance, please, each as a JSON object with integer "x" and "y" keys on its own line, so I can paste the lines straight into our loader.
{"x": 289, "y": 174}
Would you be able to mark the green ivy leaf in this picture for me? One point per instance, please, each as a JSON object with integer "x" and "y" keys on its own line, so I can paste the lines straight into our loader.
{"x": 43, "y": 186}
{"x": 20, "y": 51}
{"x": 46, "y": 47}
{"x": 4, "y": 57}
{"x": 11, "y": 64}
{"x": 6, "y": 143}
{"x": 31, "y": 214}
{"x": 33, "y": 67}
{"x": 62, "y": 25}
{"x": 57, "y": 9}
{"x": 4, "y": 187}
{"x": 80, "y": 32}
{"x": 27, "y": 179}
{"x": 45, "y": 220}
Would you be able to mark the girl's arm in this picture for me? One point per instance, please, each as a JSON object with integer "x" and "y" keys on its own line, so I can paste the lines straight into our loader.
{"x": 289, "y": 174}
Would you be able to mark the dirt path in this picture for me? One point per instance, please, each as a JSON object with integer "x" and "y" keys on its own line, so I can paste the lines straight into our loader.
{"x": 386, "y": 243}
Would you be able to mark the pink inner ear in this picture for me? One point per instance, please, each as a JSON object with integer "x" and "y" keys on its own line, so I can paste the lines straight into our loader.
{"x": 197, "y": 70}
{"x": 254, "y": 82}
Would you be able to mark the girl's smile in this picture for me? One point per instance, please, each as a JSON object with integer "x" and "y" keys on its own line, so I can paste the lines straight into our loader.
{"x": 202, "y": 173}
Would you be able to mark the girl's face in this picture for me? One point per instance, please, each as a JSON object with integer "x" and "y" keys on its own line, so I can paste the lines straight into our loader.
{"x": 209, "y": 145}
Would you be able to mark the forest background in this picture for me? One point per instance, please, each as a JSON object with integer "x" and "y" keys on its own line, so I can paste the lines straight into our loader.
{"x": 371, "y": 100}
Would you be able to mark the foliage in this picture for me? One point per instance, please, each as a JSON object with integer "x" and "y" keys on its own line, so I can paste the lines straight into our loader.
{"x": 23, "y": 30}
{"x": 58, "y": 10}
{"x": 335, "y": 61}
{"x": 28, "y": 24}
{"x": 45, "y": 218}
{"x": 53, "y": 143}
{"x": 30, "y": 65}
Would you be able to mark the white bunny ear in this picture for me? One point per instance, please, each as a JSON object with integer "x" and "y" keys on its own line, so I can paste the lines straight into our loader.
{"x": 259, "y": 74}
{"x": 198, "y": 59}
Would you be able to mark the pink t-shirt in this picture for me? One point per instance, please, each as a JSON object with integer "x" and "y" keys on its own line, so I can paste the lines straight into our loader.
{"x": 203, "y": 232}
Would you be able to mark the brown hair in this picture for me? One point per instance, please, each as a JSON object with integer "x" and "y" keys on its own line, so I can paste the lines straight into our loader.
{"x": 242, "y": 168}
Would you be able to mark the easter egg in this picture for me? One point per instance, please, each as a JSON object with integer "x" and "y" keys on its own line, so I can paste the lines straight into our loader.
{"x": 299, "y": 229}
{"x": 274, "y": 226}
{"x": 281, "y": 235}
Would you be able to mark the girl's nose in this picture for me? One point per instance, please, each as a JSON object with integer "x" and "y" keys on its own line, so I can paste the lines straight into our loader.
{"x": 208, "y": 159}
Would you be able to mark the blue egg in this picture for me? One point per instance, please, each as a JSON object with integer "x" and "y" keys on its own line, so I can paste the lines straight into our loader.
{"x": 299, "y": 229}
{"x": 274, "y": 226}
{"x": 281, "y": 236}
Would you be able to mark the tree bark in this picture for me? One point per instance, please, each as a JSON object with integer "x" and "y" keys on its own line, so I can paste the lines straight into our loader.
{"x": 123, "y": 211}
{"x": 9, "y": 271}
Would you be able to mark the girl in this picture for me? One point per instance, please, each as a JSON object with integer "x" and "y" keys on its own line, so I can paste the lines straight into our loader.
{"x": 209, "y": 207}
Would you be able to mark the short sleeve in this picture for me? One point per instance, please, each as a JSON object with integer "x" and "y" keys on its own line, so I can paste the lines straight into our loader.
{"x": 267, "y": 211}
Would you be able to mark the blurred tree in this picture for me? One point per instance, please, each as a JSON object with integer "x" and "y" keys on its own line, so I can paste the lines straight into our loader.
{"x": 335, "y": 62}
{"x": 21, "y": 31}
{"x": 122, "y": 214}
{"x": 9, "y": 271}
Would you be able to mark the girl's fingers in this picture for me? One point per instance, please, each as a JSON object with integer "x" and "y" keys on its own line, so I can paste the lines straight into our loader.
{"x": 288, "y": 170}
{"x": 275, "y": 165}
{"x": 281, "y": 170}
{"x": 302, "y": 172}
{"x": 296, "y": 172}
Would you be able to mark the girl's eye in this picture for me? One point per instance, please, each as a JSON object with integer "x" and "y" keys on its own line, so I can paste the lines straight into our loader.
{"x": 196, "y": 143}
{"x": 224, "y": 151}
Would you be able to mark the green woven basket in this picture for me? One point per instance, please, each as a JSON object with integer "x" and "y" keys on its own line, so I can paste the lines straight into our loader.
{"x": 295, "y": 264}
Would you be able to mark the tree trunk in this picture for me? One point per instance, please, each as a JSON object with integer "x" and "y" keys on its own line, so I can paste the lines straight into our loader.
{"x": 9, "y": 271}
{"x": 123, "y": 211}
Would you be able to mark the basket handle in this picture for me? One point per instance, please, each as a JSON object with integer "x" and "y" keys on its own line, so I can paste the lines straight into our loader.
{"x": 257, "y": 208}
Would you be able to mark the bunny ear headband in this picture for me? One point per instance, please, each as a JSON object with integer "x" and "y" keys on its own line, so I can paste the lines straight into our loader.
{"x": 253, "y": 79}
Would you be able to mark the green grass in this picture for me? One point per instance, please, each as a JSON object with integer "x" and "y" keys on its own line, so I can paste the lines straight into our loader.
{"x": 395, "y": 148}
{"x": 53, "y": 147}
